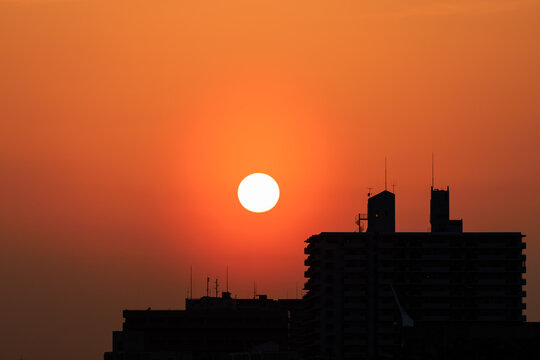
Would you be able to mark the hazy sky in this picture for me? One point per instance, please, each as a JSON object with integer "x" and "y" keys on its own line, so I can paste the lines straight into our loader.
{"x": 126, "y": 127}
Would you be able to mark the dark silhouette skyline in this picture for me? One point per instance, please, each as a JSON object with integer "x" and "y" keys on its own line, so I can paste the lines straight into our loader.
{"x": 378, "y": 294}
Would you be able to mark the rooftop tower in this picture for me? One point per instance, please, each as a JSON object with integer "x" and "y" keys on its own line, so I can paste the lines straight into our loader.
{"x": 440, "y": 212}
{"x": 382, "y": 212}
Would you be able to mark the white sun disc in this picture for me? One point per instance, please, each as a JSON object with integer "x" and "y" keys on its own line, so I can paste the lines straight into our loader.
{"x": 258, "y": 192}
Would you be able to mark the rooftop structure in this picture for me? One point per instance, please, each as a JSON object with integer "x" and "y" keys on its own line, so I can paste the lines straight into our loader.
{"x": 440, "y": 212}
{"x": 382, "y": 212}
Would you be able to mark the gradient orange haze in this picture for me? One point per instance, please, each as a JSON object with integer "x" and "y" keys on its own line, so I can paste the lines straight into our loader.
{"x": 126, "y": 127}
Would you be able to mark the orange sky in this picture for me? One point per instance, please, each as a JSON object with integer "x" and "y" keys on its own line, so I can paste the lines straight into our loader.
{"x": 126, "y": 127}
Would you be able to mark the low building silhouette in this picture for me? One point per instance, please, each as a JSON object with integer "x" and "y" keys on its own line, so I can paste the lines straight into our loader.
{"x": 211, "y": 328}
{"x": 365, "y": 289}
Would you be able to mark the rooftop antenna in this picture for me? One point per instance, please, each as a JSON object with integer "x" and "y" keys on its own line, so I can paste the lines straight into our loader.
{"x": 227, "y": 282}
{"x": 385, "y": 172}
{"x": 394, "y": 188}
{"x": 217, "y": 287}
{"x": 369, "y": 191}
{"x": 432, "y": 170}
{"x": 191, "y": 282}
{"x": 207, "y": 285}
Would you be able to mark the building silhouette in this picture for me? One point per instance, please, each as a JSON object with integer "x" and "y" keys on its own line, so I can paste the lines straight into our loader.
{"x": 382, "y": 212}
{"x": 211, "y": 328}
{"x": 439, "y": 215}
{"x": 368, "y": 291}
{"x": 378, "y": 294}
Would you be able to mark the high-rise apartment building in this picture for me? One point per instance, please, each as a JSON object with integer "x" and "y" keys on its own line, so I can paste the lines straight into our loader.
{"x": 365, "y": 289}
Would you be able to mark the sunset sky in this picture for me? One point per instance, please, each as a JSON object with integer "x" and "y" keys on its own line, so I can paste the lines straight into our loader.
{"x": 126, "y": 127}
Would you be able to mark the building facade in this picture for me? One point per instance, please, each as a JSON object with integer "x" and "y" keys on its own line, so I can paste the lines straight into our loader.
{"x": 364, "y": 289}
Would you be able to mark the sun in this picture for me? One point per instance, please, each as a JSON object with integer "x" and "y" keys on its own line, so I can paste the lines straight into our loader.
{"x": 258, "y": 192}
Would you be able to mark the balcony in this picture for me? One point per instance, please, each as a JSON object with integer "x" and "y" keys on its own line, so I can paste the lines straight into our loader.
{"x": 355, "y": 306}
{"x": 355, "y": 322}
{"x": 311, "y": 261}
{"x": 312, "y": 272}
{"x": 350, "y": 281}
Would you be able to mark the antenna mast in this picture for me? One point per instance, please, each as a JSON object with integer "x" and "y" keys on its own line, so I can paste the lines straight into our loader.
{"x": 227, "y": 282}
{"x": 385, "y": 172}
{"x": 432, "y": 170}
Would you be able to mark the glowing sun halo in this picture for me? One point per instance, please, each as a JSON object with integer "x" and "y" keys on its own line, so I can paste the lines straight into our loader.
{"x": 258, "y": 192}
